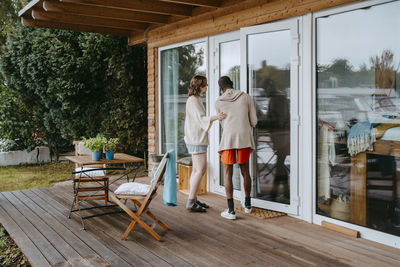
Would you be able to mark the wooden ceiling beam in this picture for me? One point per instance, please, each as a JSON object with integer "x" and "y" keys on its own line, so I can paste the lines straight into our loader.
{"x": 39, "y": 14}
{"x": 149, "y": 6}
{"x": 137, "y": 38}
{"x": 72, "y": 27}
{"x": 113, "y": 13}
{"x": 203, "y": 3}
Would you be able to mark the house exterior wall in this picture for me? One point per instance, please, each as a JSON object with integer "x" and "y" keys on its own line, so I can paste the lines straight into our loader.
{"x": 231, "y": 18}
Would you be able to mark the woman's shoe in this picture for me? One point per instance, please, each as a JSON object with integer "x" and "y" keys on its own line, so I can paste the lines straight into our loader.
{"x": 204, "y": 205}
{"x": 197, "y": 208}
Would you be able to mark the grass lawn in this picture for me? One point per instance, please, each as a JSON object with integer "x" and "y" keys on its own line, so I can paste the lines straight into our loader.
{"x": 32, "y": 176}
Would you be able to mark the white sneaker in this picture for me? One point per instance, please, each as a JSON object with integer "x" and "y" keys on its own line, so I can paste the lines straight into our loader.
{"x": 247, "y": 210}
{"x": 228, "y": 215}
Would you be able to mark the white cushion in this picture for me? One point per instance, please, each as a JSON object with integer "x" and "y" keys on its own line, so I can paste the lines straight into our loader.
{"x": 133, "y": 188}
{"x": 98, "y": 173}
{"x": 392, "y": 134}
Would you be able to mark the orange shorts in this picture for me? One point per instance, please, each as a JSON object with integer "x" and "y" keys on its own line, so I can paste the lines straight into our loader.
{"x": 229, "y": 156}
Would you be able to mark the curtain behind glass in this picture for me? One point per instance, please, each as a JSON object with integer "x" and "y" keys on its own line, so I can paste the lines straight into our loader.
{"x": 170, "y": 71}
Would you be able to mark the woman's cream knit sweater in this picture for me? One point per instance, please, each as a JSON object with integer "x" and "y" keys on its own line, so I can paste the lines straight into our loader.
{"x": 197, "y": 123}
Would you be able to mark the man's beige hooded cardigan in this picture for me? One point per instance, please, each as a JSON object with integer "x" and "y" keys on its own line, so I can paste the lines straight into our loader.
{"x": 237, "y": 127}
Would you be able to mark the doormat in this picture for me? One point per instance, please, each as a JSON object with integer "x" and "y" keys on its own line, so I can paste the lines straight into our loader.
{"x": 261, "y": 213}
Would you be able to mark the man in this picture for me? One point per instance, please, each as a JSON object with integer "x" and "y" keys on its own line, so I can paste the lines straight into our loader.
{"x": 237, "y": 140}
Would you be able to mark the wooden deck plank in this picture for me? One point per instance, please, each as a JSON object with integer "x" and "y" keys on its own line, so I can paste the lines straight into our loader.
{"x": 52, "y": 236}
{"x": 45, "y": 247}
{"x": 320, "y": 240}
{"x": 337, "y": 244}
{"x": 228, "y": 228}
{"x": 185, "y": 250}
{"x": 208, "y": 236}
{"x": 29, "y": 249}
{"x": 251, "y": 241}
{"x": 282, "y": 241}
{"x": 78, "y": 245}
{"x": 99, "y": 223}
{"x": 116, "y": 254}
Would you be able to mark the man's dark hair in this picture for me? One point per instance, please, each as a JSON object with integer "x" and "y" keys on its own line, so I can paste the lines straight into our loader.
{"x": 225, "y": 82}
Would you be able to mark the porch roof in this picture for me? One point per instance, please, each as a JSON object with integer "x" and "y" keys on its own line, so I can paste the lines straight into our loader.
{"x": 131, "y": 18}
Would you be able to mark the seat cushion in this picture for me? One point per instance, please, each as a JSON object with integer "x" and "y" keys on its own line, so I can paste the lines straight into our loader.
{"x": 185, "y": 161}
{"x": 135, "y": 189}
{"x": 97, "y": 173}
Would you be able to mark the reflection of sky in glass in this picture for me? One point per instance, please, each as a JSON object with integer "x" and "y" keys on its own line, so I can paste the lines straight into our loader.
{"x": 360, "y": 34}
{"x": 229, "y": 56}
{"x": 269, "y": 47}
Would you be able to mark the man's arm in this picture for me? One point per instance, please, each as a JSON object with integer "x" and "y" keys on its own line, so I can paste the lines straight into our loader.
{"x": 252, "y": 112}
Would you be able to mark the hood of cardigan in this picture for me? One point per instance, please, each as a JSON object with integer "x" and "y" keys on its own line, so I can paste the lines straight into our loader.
{"x": 230, "y": 95}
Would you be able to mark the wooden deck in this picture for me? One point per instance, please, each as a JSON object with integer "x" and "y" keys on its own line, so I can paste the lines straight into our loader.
{"x": 37, "y": 220}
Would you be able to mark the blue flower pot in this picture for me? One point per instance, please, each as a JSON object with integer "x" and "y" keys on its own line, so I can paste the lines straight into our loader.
{"x": 96, "y": 155}
{"x": 110, "y": 155}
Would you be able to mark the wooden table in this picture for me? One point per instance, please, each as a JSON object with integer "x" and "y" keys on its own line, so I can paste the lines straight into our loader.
{"x": 82, "y": 161}
{"x": 119, "y": 158}
{"x": 358, "y": 178}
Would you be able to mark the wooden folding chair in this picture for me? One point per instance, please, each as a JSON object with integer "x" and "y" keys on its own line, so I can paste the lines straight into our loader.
{"x": 142, "y": 200}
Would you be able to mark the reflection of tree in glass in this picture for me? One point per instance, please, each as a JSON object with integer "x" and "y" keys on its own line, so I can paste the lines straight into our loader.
{"x": 189, "y": 62}
{"x": 272, "y": 79}
{"x": 234, "y": 74}
{"x": 342, "y": 74}
{"x": 385, "y": 74}
{"x": 381, "y": 73}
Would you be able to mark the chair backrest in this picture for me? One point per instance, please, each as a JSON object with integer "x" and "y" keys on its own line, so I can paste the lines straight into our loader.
{"x": 157, "y": 180}
{"x": 159, "y": 174}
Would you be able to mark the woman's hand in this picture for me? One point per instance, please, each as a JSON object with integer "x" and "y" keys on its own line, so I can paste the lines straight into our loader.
{"x": 220, "y": 116}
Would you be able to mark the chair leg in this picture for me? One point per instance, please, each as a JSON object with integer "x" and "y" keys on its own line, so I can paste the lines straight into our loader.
{"x": 135, "y": 219}
{"x": 151, "y": 215}
{"x": 130, "y": 228}
{"x": 106, "y": 192}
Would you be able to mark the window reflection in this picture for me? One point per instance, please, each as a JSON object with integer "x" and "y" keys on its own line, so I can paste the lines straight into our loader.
{"x": 178, "y": 66}
{"x": 358, "y": 109}
{"x": 229, "y": 62}
{"x": 269, "y": 84}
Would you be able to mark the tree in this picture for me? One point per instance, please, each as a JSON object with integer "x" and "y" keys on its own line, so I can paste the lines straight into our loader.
{"x": 78, "y": 84}
{"x": 16, "y": 122}
{"x": 8, "y": 17}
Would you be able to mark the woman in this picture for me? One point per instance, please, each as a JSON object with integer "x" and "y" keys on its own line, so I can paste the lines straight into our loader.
{"x": 197, "y": 125}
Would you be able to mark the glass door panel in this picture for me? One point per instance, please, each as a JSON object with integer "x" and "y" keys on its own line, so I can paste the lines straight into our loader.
{"x": 225, "y": 61}
{"x": 229, "y": 65}
{"x": 271, "y": 79}
{"x": 269, "y": 84}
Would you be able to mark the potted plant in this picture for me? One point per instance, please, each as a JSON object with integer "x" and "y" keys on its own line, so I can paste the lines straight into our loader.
{"x": 110, "y": 146}
{"x": 95, "y": 144}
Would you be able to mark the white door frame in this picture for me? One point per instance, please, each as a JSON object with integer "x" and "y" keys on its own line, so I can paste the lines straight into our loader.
{"x": 293, "y": 26}
{"x": 214, "y": 163}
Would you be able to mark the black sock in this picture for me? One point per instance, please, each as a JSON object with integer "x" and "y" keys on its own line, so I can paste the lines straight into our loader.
{"x": 230, "y": 205}
{"x": 247, "y": 202}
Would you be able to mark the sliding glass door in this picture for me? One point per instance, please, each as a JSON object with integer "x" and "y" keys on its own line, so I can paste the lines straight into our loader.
{"x": 270, "y": 75}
